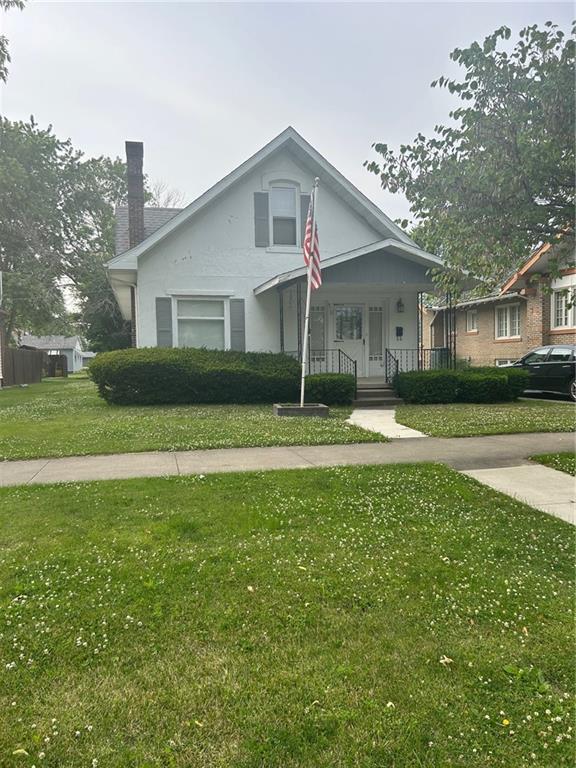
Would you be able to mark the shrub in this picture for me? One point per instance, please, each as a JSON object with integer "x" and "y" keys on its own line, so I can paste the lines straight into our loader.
{"x": 427, "y": 386}
{"x": 518, "y": 379}
{"x": 154, "y": 376}
{"x": 471, "y": 385}
{"x": 482, "y": 387}
{"x": 330, "y": 388}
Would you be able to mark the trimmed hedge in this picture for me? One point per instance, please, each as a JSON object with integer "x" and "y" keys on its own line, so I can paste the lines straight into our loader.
{"x": 427, "y": 386}
{"x": 482, "y": 387}
{"x": 472, "y": 385}
{"x": 518, "y": 378}
{"x": 154, "y": 376}
{"x": 162, "y": 376}
{"x": 330, "y": 388}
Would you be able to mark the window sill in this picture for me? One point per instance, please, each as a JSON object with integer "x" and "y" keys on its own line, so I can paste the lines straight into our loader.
{"x": 284, "y": 249}
{"x": 471, "y": 333}
{"x": 563, "y": 329}
{"x": 501, "y": 339}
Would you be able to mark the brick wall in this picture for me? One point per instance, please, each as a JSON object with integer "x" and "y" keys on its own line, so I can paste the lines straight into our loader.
{"x": 481, "y": 347}
{"x": 556, "y": 335}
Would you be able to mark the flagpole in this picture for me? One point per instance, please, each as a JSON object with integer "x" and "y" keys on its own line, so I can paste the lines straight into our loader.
{"x": 305, "y": 349}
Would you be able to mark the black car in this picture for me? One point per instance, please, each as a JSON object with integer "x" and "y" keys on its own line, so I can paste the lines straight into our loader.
{"x": 552, "y": 369}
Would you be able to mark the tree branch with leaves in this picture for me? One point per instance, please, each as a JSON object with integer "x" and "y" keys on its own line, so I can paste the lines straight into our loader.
{"x": 499, "y": 180}
{"x": 6, "y": 5}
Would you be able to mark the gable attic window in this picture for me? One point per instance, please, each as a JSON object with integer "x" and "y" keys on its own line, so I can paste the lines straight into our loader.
{"x": 283, "y": 214}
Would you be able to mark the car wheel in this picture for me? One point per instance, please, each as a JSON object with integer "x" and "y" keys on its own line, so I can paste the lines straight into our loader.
{"x": 572, "y": 389}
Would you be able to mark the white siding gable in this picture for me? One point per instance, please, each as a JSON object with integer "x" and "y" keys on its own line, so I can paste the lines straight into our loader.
{"x": 215, "y": 252}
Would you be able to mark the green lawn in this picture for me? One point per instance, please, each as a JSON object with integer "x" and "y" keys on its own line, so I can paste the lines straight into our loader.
{"x": 372, "y": 617}
{"x": 67, "y": 418}
{"x": 467, "y": 419}
{"x": 565, "y": 462}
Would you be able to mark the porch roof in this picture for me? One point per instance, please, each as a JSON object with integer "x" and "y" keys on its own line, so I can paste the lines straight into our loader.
{"x": 389, "y": 246}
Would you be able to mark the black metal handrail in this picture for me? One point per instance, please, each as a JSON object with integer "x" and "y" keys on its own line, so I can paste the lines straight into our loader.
{"x": 347, "y": 365}
{"x": 395, "y": 361}
{"x": 420, "y": 359}
{"x": 390, "y": 365}
{"x": 329, "y": 361}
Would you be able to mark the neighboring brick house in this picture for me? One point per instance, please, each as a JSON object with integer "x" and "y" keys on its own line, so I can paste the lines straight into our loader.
{"x": 530, "y": 310}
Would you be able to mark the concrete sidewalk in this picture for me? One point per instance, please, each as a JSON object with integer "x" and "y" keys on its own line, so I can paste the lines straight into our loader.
{"x": 459, "y": 453}
{"x": 541, "y": 487}
{"x": 383, "y": 421}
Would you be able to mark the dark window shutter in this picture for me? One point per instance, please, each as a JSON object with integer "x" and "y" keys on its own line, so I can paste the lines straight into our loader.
{"x": 164, "y": 321}
{"x": 304, "y": 205}
{"x": 261, "y": 219}
{"x": 237, "y": 325}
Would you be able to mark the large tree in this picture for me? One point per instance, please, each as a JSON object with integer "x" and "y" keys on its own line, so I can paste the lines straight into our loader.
{"x": 56, "y": 233}
{"x": 6, "y": 5}
{"x": 499, "y": 179}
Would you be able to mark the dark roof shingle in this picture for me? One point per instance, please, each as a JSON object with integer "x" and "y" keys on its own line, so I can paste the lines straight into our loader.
{"x": 154, "y": 218}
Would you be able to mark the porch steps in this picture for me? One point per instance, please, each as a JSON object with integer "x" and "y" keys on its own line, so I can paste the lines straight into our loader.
{"x": 375, "y": 396}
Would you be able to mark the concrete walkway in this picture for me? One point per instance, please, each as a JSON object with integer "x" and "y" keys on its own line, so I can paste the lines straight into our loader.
{"x": 383, "y": 421}
{"x": 459, "y": 453}
{"x": 541, "y": 487}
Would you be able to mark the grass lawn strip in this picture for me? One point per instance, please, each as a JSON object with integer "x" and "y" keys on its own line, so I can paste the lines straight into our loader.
{"x": 396, "y": 616}
{"x": 67, "y": 418}
{"x": 564, "y": 462}
{"x": 470, "y": 419}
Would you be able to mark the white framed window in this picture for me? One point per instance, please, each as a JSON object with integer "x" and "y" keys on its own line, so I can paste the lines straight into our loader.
{"x": 201, "y": 322}
{"x": 472, "y": 321}
{"x": 563, "y": 309}
{"x": 503, "y": 362}
{"x": 283, "y": 215}
{"x": 348, "y": 323}
{"x": 508, "y": 322}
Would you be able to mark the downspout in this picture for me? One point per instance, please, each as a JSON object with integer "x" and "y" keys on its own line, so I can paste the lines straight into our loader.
{"x": 133, "y": 316}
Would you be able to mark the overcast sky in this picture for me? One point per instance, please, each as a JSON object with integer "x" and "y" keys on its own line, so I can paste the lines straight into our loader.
{"x": 206, "y": 85}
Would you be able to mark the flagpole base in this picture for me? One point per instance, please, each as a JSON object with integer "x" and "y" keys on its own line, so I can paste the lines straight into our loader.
{"x": 295, "y": 409}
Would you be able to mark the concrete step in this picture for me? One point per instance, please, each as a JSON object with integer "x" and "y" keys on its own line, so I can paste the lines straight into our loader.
{"x": 377, "y": 402}
{"x": 362, "y": 387}
{"x": 367, "y": 393}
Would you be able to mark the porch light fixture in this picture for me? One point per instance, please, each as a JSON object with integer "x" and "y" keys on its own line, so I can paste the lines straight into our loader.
{"x": 399, "y": 306}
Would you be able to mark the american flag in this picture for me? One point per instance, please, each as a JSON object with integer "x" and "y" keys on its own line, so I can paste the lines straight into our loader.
{"x": 316, "y": 273}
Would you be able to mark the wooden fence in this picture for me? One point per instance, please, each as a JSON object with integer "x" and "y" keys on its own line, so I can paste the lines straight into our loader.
{"x": 22, "y": 366}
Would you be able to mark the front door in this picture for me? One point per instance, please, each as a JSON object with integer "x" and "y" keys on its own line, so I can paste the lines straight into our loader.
{"x": 349, "y": 333}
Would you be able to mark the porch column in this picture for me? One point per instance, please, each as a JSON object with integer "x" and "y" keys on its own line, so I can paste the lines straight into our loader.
{"x": 281, "y": 308}
{"x": 299, "y": 317}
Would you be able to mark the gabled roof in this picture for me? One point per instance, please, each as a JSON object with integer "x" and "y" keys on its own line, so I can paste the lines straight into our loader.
{"x": 540, "y": 261}
{"x": 304, "y": 153}
{"x": 411, "y": 252}
{"x": 154, "y": 218}
{"x": 535, "y": 257}
{"x": 50, "y": 342}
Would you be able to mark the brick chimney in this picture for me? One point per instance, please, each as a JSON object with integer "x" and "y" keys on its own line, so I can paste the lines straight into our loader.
{"x": 135, "y": 179}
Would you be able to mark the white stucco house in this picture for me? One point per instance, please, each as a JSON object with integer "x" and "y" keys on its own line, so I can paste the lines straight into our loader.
{"x": 227, "y": 271}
